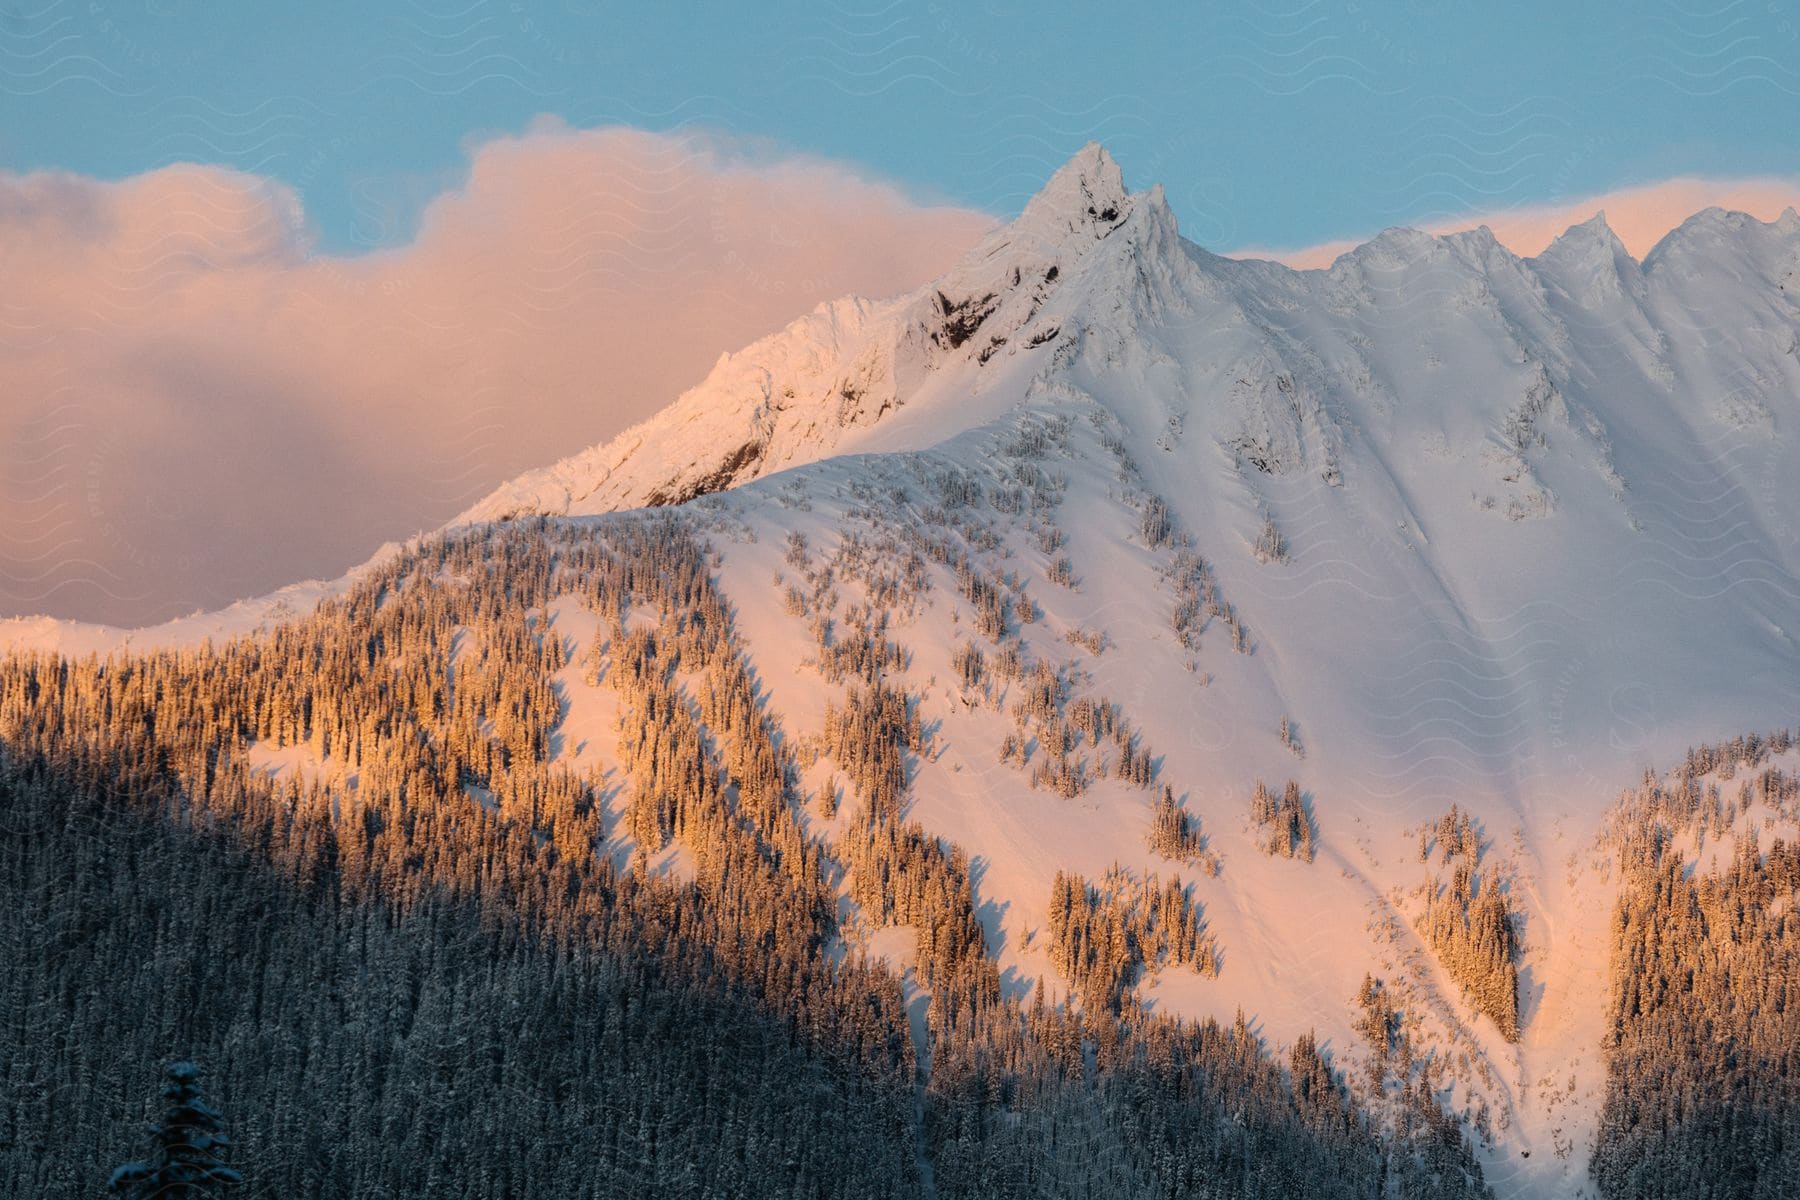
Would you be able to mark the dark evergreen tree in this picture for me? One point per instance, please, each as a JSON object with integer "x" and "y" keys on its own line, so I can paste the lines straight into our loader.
{"x": 190, "y": 1142}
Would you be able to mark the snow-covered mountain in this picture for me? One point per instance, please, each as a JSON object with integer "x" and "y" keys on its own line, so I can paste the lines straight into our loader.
{"x": 1500, "y": 532}
{"x": 1439, "y": 525}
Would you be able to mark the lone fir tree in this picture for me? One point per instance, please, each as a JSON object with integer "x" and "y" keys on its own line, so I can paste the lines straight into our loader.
{"x": 188, "y": 1141}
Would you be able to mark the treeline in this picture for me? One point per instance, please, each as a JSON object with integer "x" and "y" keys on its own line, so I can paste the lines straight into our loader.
{"x": 1469, "y": 921}
{"x": 1198, "y": 602}
{"x": 1703, "y": 1039}
{"x": 504, "y": 904}
{"x": 414, "y": 966}
{"x": 1012, "y": 1103}
{"x": 1054, "y": 729}
{"x": 1284, "y": 827}
{"x": 1404, "y": 1084}
{"x": 1175, "y": 834}
{"x": 861, "y": 650}
{"x": 1102, "y": 938}
{"x": 900, "y": 874}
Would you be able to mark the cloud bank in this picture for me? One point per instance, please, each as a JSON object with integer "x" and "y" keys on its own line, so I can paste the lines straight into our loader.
{"x": 199, "y": 406}
{"x": 1638, "y": 216}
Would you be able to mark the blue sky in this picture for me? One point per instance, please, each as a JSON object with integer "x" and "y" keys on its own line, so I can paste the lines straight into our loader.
{"x": 1277, "y": 124}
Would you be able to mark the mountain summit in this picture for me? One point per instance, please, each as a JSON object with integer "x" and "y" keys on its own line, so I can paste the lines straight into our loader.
{"x": 798, "y": 394}
{"x": 1274, "y": 362}
{"x": 1086, "y": 198}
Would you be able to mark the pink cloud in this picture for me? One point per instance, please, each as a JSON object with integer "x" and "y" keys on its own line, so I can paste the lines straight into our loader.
{"x": 201, "y": 407}
{"x": 1639, "y": 216}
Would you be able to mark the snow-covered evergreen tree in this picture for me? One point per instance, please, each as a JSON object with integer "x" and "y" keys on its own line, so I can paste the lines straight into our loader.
{"x": 190, "y": 1141}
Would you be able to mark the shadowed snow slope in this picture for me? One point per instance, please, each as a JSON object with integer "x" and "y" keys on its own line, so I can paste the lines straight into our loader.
{"x": 1485, "y": 530}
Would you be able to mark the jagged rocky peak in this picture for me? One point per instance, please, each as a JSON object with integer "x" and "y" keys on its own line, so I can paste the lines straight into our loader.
{"x": 1592, "y": 238}
{"x": 788, "y": 397}
{"x": 1589, "y": 262}
{"x": 993, "y": 302}
{"x": 1010, "y": 292}
{"x": 1085, "y": 197}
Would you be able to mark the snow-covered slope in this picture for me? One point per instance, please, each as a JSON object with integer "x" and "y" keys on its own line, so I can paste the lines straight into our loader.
{"x": 1541, "y": 530}
{"x": 1484, "y": 530}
